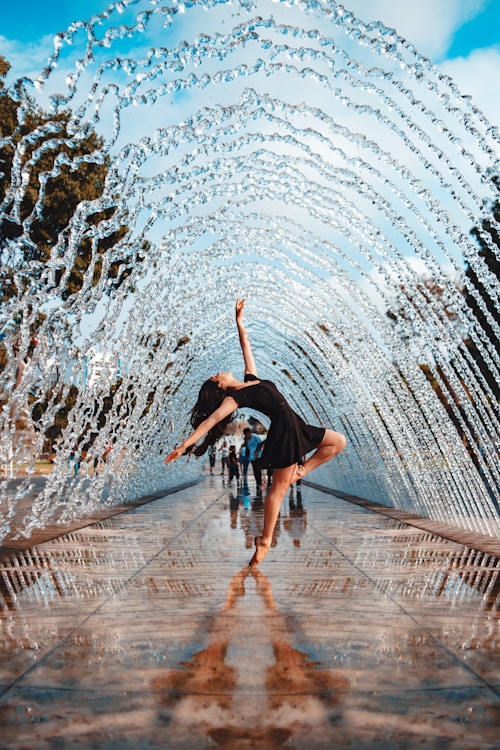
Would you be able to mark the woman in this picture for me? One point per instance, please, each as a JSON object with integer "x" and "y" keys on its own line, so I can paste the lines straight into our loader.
{"x": 289, "y": 438}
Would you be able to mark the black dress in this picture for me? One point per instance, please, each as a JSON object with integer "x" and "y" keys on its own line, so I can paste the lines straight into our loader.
{"x": 289, "y": 438}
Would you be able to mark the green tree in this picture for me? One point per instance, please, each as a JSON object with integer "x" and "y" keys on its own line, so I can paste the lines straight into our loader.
{"x": 488, "y": 238}
{"x": 49, "y": 149}
{"x": 59, "y": 169}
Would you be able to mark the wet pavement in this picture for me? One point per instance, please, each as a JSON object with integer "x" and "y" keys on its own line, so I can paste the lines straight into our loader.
{"x": 148, "y": 630}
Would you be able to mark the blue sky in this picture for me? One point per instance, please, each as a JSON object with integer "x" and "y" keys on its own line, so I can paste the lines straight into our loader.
{"x": 480, "y": 30}
{"x": 461, "y": 36}
{"x": 40, "y": 19}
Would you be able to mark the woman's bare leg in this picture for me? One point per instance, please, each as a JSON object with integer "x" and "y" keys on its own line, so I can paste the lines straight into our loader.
{"x": 332, "y": 444}
{"x": 282, "y": 479}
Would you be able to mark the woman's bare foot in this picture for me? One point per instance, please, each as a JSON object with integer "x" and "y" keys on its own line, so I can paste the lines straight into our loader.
{"x": 299, "y": 472}
{"x": 261, "y": 550}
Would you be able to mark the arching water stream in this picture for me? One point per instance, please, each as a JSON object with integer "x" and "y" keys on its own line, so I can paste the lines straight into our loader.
{"x": 283, "y": 151}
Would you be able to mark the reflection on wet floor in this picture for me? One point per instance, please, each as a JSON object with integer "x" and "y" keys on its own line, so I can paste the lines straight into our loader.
{"x": 149, "y": 630}
{"x": 268, "y": 690}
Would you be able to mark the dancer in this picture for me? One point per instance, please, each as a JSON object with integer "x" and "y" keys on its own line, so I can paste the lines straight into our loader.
{"x": 288, "y": 440}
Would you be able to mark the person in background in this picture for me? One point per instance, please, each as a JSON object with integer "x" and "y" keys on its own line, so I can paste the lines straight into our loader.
{"x": 224, "y": 452}
{"x": 244, "y": 461}
{"x": 233, "y": 469}
{"x": 252, "y": 443}
{"x": 211, "y": 458}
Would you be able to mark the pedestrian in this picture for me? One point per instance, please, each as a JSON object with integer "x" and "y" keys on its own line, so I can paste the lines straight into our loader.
{"x": 233, "y": 464}
{"x": 224, "y": 452}
{"x": 289, "y": 437}
{"x": 211, "y": 458}
{"x": 244, "y": 460}
{"x": 252, "y": 443}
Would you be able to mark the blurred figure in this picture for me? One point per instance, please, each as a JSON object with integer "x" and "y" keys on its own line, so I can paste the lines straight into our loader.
{"x": 233, "y": 464}
{"x": 224, "y": 453}
{"x": 211, "y": 458}
{"x": 253, "y": 450}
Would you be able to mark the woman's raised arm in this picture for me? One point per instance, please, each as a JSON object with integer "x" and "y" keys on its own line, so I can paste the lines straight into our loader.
{"x": 246, "y": 349}
{"x": 227, "y": 406}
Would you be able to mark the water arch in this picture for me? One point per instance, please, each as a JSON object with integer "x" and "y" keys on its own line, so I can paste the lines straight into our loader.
{"x": 285, "y": 151}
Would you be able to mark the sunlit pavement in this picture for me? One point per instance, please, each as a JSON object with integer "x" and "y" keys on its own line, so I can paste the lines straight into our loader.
{"x": 148, "y": 630}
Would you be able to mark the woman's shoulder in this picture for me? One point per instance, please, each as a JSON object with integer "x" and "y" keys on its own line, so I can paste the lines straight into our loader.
{"x": 249, "y": 380}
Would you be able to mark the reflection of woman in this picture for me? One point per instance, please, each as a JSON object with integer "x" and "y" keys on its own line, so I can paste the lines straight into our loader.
{"x": 288, "y": 440}
{"x": 235, "y": 694}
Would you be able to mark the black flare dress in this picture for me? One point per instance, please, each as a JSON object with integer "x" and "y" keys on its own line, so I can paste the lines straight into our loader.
{"x": 289, "y": 437}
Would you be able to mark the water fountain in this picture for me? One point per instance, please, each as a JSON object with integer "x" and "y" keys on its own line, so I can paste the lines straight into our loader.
{"x": 281, "y": 150}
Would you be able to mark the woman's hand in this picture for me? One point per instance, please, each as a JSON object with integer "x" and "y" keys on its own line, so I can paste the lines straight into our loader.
{"x": 175, "y": 454}
{"x": 240, "y": 304}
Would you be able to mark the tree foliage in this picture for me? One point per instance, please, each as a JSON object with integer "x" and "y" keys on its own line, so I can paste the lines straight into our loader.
{"x": 46, "y": 171}
{"x": 405, "y": 320}
{"x": 485, "y": 295}
{"x": 59, "y": 169}
{"x": 488, "y": 238}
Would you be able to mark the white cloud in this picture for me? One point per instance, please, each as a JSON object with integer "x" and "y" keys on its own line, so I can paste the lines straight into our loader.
{"x": 26, "y": 59}
{"x": 478, "y": 75}
{"x": 428, "y": 24}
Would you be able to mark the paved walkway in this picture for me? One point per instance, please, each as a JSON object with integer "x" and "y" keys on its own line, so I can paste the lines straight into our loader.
{"x": 147, "y": 630}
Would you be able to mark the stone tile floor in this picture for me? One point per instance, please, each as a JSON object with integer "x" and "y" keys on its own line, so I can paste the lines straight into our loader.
{"x": 148, "y": 630}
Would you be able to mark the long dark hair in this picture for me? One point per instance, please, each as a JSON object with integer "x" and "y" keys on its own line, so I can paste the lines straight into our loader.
{"x": 210, "y": 398}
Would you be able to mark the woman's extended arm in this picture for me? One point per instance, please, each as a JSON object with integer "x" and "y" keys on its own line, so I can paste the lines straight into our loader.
{"x": 227, "y": 407}
{"x": 246, "y": 349}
